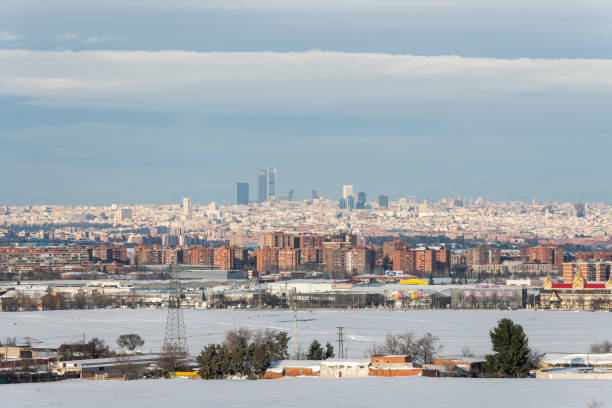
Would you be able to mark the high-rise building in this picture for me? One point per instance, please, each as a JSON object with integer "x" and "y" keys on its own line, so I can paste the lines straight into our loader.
{"x": 266, "y": 184}
{"x": 482, "y": 255}
{"x": 262, "y": 186}
{"x": 347, "y": 191}
{"x": 271, "y": 180}
{"x": 348, "y": 197}
{"x": 361, "y": 200}
{"x": 383, "y": 201}
{"x": 242, "y": 193}
{"x": 187, "y": 208}
{"x": 350, "y": 202}
{"x": 315, "y": 195}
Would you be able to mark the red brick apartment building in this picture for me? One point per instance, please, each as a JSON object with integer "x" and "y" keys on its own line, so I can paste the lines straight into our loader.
{"x": 421, "y": 261}
{"x": 591, "y": 271}
{"x": 543, "y": 254}
{"x": 482, "y": 255}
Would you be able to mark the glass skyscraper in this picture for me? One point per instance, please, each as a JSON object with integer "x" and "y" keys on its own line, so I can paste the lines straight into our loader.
{"x": 242, "y": 193}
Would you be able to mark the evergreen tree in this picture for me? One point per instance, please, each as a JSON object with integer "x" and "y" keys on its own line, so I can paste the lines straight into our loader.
{"x": 511, "y": 348}
{"x": 329, "y": 351}
{"x": 315, "y": 351}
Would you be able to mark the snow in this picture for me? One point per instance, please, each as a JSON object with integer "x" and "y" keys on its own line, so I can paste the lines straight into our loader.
{"x": 550, "y": 331}
{"x": 311, "y": 391}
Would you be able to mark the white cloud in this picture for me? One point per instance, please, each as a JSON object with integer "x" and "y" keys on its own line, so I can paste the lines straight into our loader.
{"x": 8, "y": 35}
{"x": 99, "y": 39}
{"x": 92, "y": 39}
{"x": 68, "y": 36}
{"x": 296, "y": 82}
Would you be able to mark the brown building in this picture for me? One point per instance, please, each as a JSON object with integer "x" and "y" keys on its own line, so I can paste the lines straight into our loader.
{"x": 288, "y": 259}
{"x": 228, "y": 258}
{"x": 279, "y": 240}
{"x": 594, "y": 256}
{"x": 108, "y": 254}
{"x": 389, "y": 246}
{"x": 266, "y": 259}
{"x": 543, "y": 254}
{"x": 360, "y": 261}
{"x": 311, "y": 255}
{"x": 422, "y": 260}
{"x": 202, "y": 256}
{"x": 591, "y": 271}
{"x": 482, "y": 255}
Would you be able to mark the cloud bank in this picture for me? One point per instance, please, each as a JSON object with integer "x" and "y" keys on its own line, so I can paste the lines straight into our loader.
{"x": 313, "y": 81}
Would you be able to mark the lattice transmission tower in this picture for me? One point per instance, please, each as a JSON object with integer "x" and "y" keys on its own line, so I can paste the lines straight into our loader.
{"x": 175, "y": 340}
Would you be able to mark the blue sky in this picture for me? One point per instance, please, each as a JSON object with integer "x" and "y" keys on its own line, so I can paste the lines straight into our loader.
{"x": 104, "y": 102}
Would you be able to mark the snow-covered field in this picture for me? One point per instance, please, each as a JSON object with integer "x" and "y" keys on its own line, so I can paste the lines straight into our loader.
{"x": 547, "y": 332}
{"x": 311, "y": 392}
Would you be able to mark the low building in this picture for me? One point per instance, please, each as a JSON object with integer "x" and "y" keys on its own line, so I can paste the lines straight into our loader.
{"x": 469, "y": 366}
{"x": 489, "y": 297}
{"x": 293, "y": 368}
{"x": 397, "y": 366}
{"x": 574, "y": 373}
{"x": 345, "y": 368}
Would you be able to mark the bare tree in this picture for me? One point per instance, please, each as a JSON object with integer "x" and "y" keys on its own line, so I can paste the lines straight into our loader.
{"x": 603, "y": 347}
{"x": 172, "y": 358}
{"x": 125, "y": 364}
{"x": 533, "y": 358}
{"x": 425, "y": 349}
{"x": 595, "y": 404}
{"x": 130, "y": 341}
{"x": 237, "y": 338}
{"x": 400, "y": 344}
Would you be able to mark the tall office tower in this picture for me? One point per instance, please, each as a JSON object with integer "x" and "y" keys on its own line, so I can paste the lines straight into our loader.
{"x": 347, "y": 191}
{"x": 187, "y": 208}
{"x": 242, "y": 193}
{"x": 271, "y": 174}
{"x": 262, "y": 186}
{"x": 315, "y": 195}
{"x": 361, "y": 200}
{"x": 383, "y": 201}
{"x": 350, "y": 202}
{"x": 348, "y": 197}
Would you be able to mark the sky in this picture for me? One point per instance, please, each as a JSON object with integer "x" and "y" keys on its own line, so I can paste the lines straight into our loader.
{"x": 153, "y": 100}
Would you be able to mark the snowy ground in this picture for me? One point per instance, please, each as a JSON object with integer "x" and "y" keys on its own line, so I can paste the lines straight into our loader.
{"x": 309, "y": 392}
{"x": 547, "y": 332}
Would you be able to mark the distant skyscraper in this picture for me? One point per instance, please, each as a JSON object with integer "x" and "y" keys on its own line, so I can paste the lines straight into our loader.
{"x": 242, "y": 193}
{"x": 383, "y": 201}
{"x": 187, "y": 208}
{"x": 262, "y": 186}
{"x": 350, "y": 202}
{"x": 315, "y": 195}
{"x": 271, "y": 174}
{"x": 347, "y": 191}
{"x": 348, "y": 197}
{"x": 361, "y": 200}
{"x": 266, "y": 184}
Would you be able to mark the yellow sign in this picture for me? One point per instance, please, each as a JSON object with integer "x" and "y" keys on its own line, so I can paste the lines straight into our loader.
{"x": 414, "y": 282}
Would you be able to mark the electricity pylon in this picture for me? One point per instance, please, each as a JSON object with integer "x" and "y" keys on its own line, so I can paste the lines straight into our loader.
{"x": 175, "y": 340}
